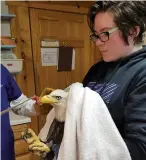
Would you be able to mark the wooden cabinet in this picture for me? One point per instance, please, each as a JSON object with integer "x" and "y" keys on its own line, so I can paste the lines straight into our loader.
{"x": 24, "y": 157}
{"x": 18, "y": 129}
{"x": 21, "y": 147}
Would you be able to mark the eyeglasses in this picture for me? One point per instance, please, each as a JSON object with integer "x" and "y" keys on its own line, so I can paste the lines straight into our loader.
{"x": 103, "y": 36}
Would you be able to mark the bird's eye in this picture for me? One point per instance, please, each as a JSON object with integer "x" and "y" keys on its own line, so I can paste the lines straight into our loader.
{"x": 58, "y": 97}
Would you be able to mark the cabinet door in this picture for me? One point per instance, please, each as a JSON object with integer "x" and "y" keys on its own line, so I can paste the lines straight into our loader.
{"x": 65, "y": 27}
{"x": 24, "y": 157}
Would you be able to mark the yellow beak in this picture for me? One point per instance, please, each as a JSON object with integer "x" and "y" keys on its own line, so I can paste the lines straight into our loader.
{"x": 47, "y": 99}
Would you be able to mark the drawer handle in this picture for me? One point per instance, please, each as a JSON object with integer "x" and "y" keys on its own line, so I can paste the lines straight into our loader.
{"x": 9, "y": 64}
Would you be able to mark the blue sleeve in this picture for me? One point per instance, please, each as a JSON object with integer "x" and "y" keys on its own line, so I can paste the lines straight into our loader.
{"x": 13, "y": 90}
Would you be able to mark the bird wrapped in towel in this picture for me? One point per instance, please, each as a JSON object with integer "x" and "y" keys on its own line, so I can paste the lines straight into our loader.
{"x": 57, "y": 99}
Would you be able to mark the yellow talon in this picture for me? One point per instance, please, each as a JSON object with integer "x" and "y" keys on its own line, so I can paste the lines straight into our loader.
{"x": 29, "y": 136}
{"x": 39, "y": 146}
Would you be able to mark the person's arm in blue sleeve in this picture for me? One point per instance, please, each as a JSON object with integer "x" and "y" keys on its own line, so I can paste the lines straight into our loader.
{"x": 15, "y": 96}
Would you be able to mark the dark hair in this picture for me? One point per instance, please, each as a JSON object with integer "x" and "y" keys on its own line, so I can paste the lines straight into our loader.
{"x": 127, "y": 15}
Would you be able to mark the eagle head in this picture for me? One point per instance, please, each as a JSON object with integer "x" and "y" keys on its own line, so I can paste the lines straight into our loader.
{"x": 58, "y": 99}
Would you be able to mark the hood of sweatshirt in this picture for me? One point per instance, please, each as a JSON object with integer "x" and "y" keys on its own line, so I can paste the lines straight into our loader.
{"x": 103, "y": 74}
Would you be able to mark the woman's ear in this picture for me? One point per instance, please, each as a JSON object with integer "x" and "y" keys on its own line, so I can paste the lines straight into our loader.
{"x": 134, "y": 32}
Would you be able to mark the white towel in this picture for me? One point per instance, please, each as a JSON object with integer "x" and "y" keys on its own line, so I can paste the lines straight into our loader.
{"x": 45, "y": 130}
{"x": 90, "y": 133}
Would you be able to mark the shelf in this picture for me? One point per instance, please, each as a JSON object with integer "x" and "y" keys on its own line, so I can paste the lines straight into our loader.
{"x": 7, "y": 46}
{"x": 17, "y": 119}
{"x": 7, "y": 17}
{"x": 13, "y": 65}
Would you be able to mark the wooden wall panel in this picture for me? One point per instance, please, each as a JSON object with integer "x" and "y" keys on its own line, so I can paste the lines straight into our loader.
{"x": 20, "y": 29}
{"x": 72, "y": 28}
{"x": 66, "y": 6}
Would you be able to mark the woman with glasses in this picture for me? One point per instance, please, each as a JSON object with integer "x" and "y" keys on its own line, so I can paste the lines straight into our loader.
{"x": 120, "y": 78}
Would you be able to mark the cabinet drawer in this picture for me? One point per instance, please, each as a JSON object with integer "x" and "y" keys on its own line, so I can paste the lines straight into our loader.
{"x": 13, "y": 65}
{"x": 28, "y": 156}
{"x": 18, "y": 129}
{"x": 24, "y": 157}
{"x": 21, "y": 147}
